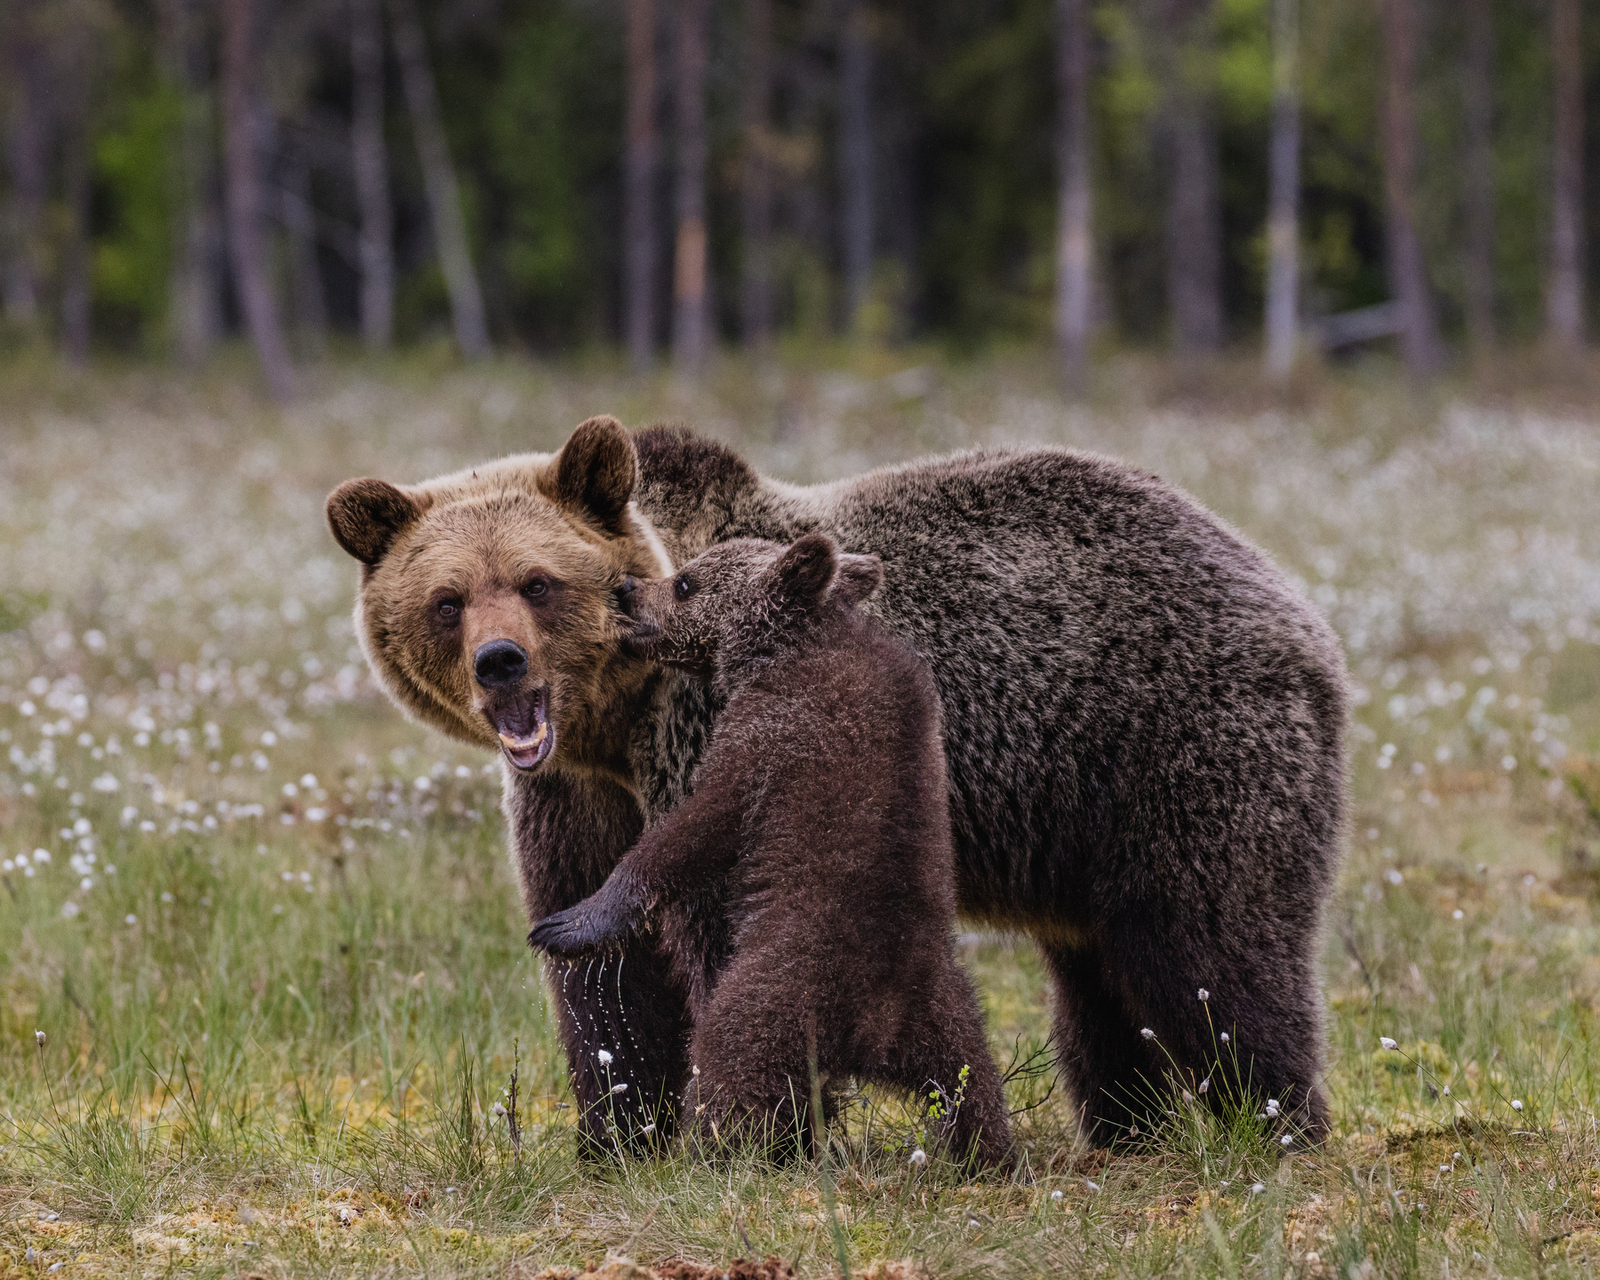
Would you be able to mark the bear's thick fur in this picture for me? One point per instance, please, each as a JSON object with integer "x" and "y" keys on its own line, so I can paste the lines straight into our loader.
{"x": 821, "y": 805}
{"x": 1143, "y": 727}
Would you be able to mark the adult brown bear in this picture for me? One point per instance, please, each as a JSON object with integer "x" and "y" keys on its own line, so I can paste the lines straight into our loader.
{"x": 1143, "y": 730}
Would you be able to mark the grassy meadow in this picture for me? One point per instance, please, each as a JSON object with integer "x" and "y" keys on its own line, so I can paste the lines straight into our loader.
{"x": 263, "y": 983}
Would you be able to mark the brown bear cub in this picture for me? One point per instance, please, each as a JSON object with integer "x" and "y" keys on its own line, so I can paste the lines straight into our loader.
{"x": 821, "y": 815}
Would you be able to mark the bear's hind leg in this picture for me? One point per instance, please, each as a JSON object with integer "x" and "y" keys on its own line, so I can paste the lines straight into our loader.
{"x": 751, "y": 1084}
{"x": 943, "y": 1038}
{"x": 1115, "y": 1080}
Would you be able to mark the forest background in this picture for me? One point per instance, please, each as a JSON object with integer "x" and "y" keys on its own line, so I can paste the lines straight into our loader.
{"x": 560, "y": 176}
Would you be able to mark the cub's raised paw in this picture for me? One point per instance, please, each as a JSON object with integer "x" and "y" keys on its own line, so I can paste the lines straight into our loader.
{"x": 578, "y": 931}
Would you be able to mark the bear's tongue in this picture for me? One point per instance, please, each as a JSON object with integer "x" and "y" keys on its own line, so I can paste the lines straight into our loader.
{"x": 526, "y": 734}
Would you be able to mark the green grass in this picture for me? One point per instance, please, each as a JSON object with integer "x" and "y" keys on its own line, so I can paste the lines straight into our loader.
{"x": 278, "y": 1032}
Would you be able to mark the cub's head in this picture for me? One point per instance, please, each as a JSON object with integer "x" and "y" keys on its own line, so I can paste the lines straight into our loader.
{"x": 489, "y": 598}
{"x": 746, "y": 599}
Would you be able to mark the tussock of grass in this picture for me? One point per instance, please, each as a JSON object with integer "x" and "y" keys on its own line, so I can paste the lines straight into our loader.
{"x": 277, "y": 1037}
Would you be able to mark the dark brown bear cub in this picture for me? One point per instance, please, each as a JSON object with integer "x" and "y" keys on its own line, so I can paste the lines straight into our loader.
{"x": 821, "y": 815}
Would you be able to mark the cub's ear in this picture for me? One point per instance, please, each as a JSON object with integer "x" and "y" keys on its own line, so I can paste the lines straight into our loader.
{"x": 596, "y": 472}
{"x": 366, "y": 516}
{"x": 804, "y": 571}
{"x": 857, "y": 579}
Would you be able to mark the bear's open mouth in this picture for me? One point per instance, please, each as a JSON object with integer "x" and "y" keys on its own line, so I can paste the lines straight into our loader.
{"x": 523, "y": 725}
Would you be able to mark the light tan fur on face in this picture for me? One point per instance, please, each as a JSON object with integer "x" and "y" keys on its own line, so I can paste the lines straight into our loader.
{"x": 482, "y": 535}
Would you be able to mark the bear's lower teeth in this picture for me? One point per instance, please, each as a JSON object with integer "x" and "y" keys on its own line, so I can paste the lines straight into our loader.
{"x": 522, "y": 744}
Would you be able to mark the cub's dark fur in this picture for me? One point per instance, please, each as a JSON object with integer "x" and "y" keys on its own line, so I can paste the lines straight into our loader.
{"x": 1143, "y": 728}
{"x": 821, "y": 807}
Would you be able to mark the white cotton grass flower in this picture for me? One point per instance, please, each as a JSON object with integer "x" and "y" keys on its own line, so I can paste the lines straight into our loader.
{"x": 39, "y": 1038}
{"x": 620, "y": 1088}
{"x": 1093, "y": 1186}
{"x": 1272, "y": 1108}
{"x": 1056, "y": 1197}
{"x": 1204, "y": 994}
{"x": 1387, "y": 1043}
{"x": 1258, "y": 1189}
{"x": 604, "y": 1056}
{"x": 1516, "y": 1104}
{"x": 1224, "y": 1037}
{"x": 1147, "y": 1033}
{"x": 1205, "y": 1085}
{"x": 919, "y": 1157}
{"x": 1287, "y": 1140}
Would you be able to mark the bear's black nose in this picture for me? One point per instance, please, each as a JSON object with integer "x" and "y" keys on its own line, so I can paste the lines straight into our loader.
{"x": 499, "y": 663}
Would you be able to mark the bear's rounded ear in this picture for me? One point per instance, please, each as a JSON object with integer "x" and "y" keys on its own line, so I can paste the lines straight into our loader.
{"x": 596, "y": 471}
{"x": 804, "y": 571}
{"x": 857, "y": 579}
{"x": 366, "y": 516}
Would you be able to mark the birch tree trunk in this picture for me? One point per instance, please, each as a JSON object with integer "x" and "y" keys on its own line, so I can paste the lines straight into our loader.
{"x": 689, "y": 319}
{"x": 756, "y": 176}
{"x": 1564, "y": 287}
{"x": 855, "y": 157}
{"x": 639, "y": 187}
{"x": 76, "y": 282}
{"x": 194, "y": 287}
{"x": 439, "y": 179}
{"x": 1478, "y": 91}
{"x": 1194, "y": 199}
{"x": 1283, "y": 214}
{"x": 300, "y": 220}
{"x": 1408, "y": 279}
{"x": 244, "y": 190}
{"x": 370, "y": 161}
{"x": 1073, "y": 214}
{"x": 27, "y": 146}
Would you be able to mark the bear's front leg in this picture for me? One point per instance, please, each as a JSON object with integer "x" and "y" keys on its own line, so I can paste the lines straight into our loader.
{"x": 623, "y": 1017}
{"x": 625, "y": 1027}
{"x": 602, "y": 921}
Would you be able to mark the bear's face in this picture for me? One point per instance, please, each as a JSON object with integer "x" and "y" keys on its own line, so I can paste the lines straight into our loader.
{"x": 745, "y": 599}
{"x": 488, "y": 603}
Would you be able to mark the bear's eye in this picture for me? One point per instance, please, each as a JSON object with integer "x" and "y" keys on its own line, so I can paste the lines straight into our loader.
{"x": 535, "y": 587}
{"x": 449, "y": 610}
{"x": 684, "y": 587}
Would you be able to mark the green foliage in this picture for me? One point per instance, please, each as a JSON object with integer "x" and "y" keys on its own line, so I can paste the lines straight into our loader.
{"x": 965, "y": 116}
{"x": 133, "y": 245}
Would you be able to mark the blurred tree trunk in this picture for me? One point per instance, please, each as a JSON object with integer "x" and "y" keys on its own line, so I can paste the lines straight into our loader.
{"x": 756, "y": 175}
{"x": 1564, "y": 288}
{"x": 27, "y": 161}
{"x": 1478, "y": 90}
{"x": 1283, "y": 214}
{"x": 1408, "y": 278}
{"x": 370, "y": 160}
{"x": 639, "y": 187}
{"x": 689, "y": 319}
{"x": 247, "y": 236}
{"x": 194, "y": 288}
{"x": 1194, "y": 197}
{"x": 300, "y": 220}
{"x": 76, "y": 283}
{"x": 439, "y": 178}
{"x": 855, "y": 157}
{"x": 1073, "y": 225}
